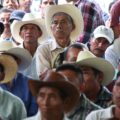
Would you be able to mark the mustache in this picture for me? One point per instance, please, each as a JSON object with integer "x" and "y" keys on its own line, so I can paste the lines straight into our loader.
{"x": 99, "y": 49}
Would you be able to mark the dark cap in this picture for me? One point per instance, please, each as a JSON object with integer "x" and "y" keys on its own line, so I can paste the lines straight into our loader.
{"x": 115, "y": 14}
{"x": 17, "y": 15}
{"x": 1, "y": 28}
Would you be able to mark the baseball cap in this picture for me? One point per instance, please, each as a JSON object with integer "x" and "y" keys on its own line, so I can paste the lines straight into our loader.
{"x": 17, "y": 15}
{"x": 105, "y": 32}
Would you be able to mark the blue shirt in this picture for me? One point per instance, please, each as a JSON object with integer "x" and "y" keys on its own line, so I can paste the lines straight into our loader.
{"x": 19, "y": 87}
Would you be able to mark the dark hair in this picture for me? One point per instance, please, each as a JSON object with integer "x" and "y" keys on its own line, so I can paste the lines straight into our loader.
{"x": 72, "y": 67}
{"x": 5, "y": 10}
{"x": 75, "y": 45}
{"x": 1, "y": 68}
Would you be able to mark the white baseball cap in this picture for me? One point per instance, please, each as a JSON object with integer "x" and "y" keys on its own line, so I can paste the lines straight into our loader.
{"x": 105, "y": 32}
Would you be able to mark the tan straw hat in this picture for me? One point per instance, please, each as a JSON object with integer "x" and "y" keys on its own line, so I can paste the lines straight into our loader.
{"x": 69, "y": 9}
{"x": 28, "y": 18}
{"x": 21, "y": 53}
{"x": 56, "y": 80}
{"x": 10, "y": 67}
{"x": 88, "y": 59}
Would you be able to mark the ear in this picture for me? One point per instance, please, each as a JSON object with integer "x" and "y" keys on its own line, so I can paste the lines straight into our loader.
{"x": 100, "y": 77}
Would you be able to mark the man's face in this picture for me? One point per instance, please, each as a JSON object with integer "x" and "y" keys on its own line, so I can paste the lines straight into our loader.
{"x": 30, "y": 33}
{"x": 4, "y": 18}
{"x": 72, "y": 54}
{"x": 10, "y": 4}
{"x": 98, "y": 46}
{"x": 25, "y": 5}
{"x": 116, "y": 93}
{"x": 61, "y": 28}
{"x": 90, "y": 79}
{"x": 50, "y": 102}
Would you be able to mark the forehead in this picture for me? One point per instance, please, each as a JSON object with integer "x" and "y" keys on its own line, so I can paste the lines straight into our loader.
{"x": 49, "y": 90}
{"x": 4, "y": 1}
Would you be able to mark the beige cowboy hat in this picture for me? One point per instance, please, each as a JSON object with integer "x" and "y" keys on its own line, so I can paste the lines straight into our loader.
{"x": 69, "y": 9}
{"x": 56, "y": 80}
{"x": 10, "y": 67}
{"x": 88, "y": 59}
{"x": 7, "y": 47}
{"x": 28, "y": 18}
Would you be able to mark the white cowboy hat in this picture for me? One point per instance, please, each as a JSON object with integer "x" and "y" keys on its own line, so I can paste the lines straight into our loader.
{"x": 7, "y": 47}
{"x": 88, "y": 59}
{"x": 10, "y": 67}
{"x": 69, "y": 9}
{"x": 28, "y": 18}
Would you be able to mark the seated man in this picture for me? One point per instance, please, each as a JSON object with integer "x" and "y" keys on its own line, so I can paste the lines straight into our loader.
{"x": 19, "y": 84}
{"x": 55, "y": 96}
{"x": 112, "y": 112}
{"x": 11, "y": 107}
{"x": 97, "y": 73}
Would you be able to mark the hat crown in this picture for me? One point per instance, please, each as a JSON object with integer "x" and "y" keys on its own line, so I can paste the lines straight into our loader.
{"x": 102, "y": 31}
{"x": 84, "y": 55}
{"x": 28, "y": 17}
{"x": 53, "y": 77}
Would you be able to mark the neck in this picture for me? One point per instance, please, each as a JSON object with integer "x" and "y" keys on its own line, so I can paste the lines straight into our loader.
{"x": 31, "y": 48}
{"x": 116, "y": 112}
{"x": 92, "y": 95}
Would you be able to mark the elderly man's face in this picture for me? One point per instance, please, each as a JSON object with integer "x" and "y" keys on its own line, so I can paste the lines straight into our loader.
{"x": 50, "y": 102}
{"x": 61, "y": 27}
{"x": 10, "y": 4}
{"x": 98, "y": 46}
{"x": 30, "y": 33}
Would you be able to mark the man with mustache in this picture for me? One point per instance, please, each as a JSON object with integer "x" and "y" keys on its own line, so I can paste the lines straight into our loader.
{"x": 101, "y": 38}
{"x": 63, "y": 28}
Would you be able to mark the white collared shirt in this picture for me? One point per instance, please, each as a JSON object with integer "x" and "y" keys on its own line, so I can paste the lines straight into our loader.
{"x": 102, "y": 114}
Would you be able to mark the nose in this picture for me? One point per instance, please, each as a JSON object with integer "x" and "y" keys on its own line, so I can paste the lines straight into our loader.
{"x": 46, "y": 101}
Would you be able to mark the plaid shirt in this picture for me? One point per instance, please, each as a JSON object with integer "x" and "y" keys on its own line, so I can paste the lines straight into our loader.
{"x": 104, "y": 97}
{"x": 92, "y": 16}
{"x": 84, "y": 107}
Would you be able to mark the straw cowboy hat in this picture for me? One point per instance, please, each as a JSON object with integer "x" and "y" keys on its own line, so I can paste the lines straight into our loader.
{"x": 10, "y": 67}
{"x": 56, "y": 80}
{"x": 28, "y": 18}
{"x": 69, "y": 9}
{"x": 88, "y": 59}
{"x": 21, "y": 53}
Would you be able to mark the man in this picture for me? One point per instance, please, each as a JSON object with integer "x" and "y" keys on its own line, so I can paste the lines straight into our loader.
{"x": 10, "y": 4}
{"x": 19, "y": 84}
{"x": 63, "y": 27}
{"x": 84, "y": 105}
{"x": 43, "y": 4}
{"x": 101, "y": 39}
{"x": 55, "y": 96}
{"x": 31, "y": 32}
{"x": 112, "y": 112}
{"x": 112, "y": 53}
{"x": 92, "y": 15}
{"x": 11, "y": 107}
{"x": 97, "y": 73}
{"x": 4, "y": 17}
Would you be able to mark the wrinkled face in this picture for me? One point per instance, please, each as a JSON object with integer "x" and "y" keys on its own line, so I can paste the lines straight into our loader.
{"x": 98, "y": 46}
{"x": 10, "y": 4}
{"x": 61, "y": 28}
{"x": 4, "y": 18}
{"x": 116, "y": 92}
{"x": 72, "y": 54}
{"x": 90, "y": 78}
{"x": 50, "y": 102}
{"x": 30, "y": 33}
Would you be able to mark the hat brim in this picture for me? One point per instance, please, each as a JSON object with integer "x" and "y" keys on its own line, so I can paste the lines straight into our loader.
{"x": 10, "y": 67}
{"x": 66, "y": 87}
{"x": 72, "y": 11}
{"x": 23, "y": 55}
{"x": 104, "y": 36}
{"x": 16, "y": 25}
{"x": 101, "y": 65}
